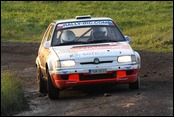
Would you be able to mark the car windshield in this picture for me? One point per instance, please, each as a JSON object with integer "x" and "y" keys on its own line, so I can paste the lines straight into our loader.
{"x": 81, "y": 33}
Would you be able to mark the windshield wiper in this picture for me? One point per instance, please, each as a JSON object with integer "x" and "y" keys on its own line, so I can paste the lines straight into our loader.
{"x": 102, "y": 41}
{"x": 71, "y": 43}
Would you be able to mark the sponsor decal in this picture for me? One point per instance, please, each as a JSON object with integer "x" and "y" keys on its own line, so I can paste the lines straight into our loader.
{"x": 122, "y": 78}
{"x": 75, "y": 55}
{"x": 112, "y": 46}
{"x": 69, "y": 82}
{"x": 85, "y": 54}
{"x": 84, "y": 23}
{"x": 65, "y": 72}
{"x": 111, "y": 23}
{"x": 128, "y": 67}
{"x": 100, "y": 53}
{"x": 60, "y": 26}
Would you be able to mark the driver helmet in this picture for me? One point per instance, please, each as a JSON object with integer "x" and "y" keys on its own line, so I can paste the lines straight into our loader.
{"x": 99, "y": 32}
{"x": 67, "y": 36}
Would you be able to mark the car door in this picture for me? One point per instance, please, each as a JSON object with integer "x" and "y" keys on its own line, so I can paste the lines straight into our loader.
{"x": 43, "y": 52}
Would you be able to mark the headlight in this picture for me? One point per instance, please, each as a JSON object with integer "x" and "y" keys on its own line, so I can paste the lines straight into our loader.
{"x": 123, "y": 59}
{"x": 56, "y": 64}
{"x": 67, "y": 63}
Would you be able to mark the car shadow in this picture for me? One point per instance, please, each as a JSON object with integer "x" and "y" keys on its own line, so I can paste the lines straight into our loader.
{"x": 93, "y": 91}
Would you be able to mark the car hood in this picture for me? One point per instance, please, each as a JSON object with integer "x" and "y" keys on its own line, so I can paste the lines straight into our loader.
{"x": 93, "y": 50}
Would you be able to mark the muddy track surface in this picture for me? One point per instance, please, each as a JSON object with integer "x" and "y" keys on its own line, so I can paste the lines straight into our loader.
{"x": 154, "y": 98}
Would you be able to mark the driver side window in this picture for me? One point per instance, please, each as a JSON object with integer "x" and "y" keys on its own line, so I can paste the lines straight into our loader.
{"x": 56, "y": 38}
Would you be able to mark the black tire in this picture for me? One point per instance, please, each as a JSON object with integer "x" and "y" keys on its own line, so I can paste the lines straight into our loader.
{"x": 41, "y": 84}
{"x": 135, "y": 85}
{"x": 53, "y": 92}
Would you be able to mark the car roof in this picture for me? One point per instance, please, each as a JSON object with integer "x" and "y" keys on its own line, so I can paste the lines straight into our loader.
{"x": 83, "y": 19}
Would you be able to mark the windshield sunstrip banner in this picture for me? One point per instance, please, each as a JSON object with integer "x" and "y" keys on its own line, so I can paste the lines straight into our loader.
{"x": 84, "y": 23}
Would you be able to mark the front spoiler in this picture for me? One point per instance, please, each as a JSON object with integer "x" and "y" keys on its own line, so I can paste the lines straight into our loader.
{"x": 74, "y": 79}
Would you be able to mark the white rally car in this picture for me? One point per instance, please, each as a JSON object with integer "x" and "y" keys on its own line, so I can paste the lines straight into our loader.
{"x": 84, "y": 51}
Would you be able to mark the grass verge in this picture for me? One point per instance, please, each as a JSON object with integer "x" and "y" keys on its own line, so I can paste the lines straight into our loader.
{"x": 148, "y": 23}
{"x": 12, "y": 94}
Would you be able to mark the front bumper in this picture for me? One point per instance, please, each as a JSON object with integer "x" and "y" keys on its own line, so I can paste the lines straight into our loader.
{"x": 76, "y": 79}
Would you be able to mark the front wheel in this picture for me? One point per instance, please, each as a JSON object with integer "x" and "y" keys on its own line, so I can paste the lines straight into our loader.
{"x": 41, "y": 84}
{"x": 53, "y": 92}
{"x": 135, "y": 85}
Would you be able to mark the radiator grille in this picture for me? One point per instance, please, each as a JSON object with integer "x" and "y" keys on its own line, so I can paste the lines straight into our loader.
{"x": 95, "y": 63}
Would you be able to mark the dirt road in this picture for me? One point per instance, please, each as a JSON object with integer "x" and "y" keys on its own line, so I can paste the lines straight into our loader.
{"x": 155, "y": 97}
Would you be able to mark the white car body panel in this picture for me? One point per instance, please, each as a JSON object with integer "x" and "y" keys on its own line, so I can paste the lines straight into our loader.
{"x": 87, "y": 53}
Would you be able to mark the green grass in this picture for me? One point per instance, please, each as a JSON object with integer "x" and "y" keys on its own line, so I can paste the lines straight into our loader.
{"x": 12, "y": 95}
{"x": 148, "y": 23}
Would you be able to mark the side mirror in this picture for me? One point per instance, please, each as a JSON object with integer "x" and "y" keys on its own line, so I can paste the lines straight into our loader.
{"x": 47, "y": 44}
{"x": 128, "y": 39}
